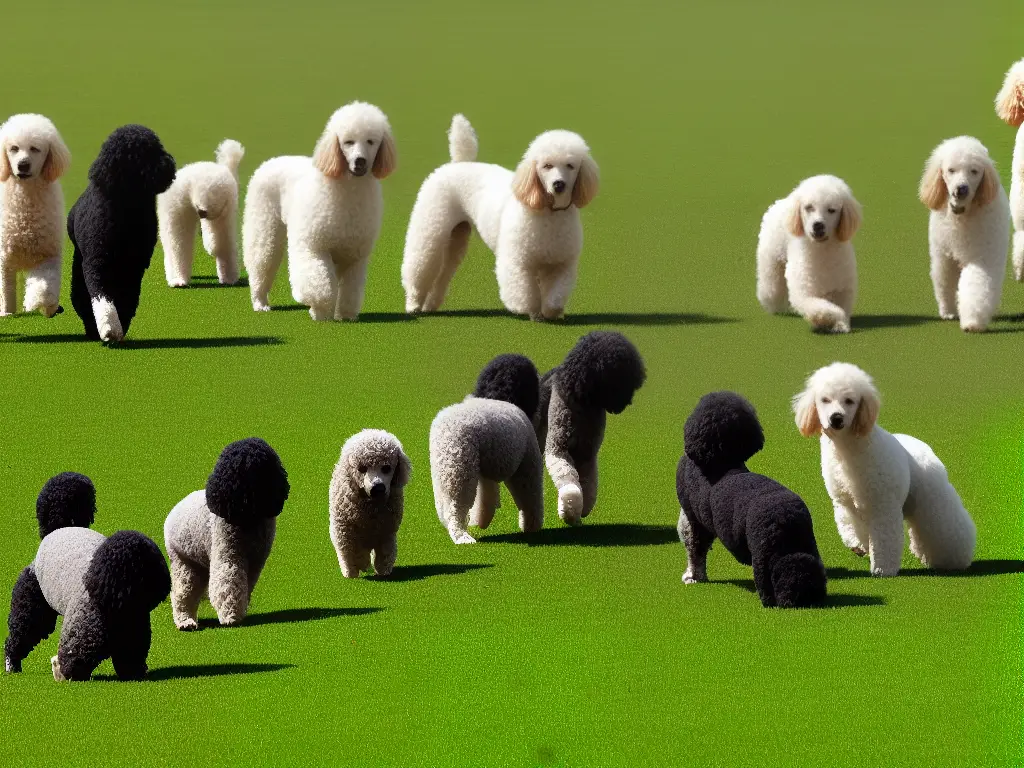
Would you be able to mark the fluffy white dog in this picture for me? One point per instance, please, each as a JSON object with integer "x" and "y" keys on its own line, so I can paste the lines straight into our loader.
{"x": 968, "y": 231}
{"x": 203, "y": 194}
{"x": 530, "y": 219}
{"x": 32, "y": 159}
{"x": 1010, "y": 108}
{"x": 878, "y": 480}
{"x": 329, "y": 207}
{"x": 804, "y": 254}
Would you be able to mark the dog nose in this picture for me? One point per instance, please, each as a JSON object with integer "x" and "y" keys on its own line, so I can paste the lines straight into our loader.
{"x": 360, "y": 163}
{"x": 836, "y": 421}
{"x": 24, "y": 166}
{"x": 377, "y": 489}
{"x": 202, "y": 212}
{"x": 818, "y": 228}
{"x": 961, "y": 190}
{"x": 559, "y": 187}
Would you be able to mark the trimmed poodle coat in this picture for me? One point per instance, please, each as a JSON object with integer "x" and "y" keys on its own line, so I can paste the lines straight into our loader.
{"x": 367, "y": 500}
{"x": 1010, "y": 108}
{"x": 761, "y": 522}
{"x": 219, "y": 538}
{"x": 105, "y": 588}
{"x": 113, "y": 227}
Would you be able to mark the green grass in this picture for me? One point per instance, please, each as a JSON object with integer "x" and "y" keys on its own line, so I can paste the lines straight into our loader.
{"x": 585, "y": 650}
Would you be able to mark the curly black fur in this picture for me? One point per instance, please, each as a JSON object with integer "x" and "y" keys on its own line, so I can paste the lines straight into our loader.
{"x": 248, "y": 483}
{"x": 113, "y": 225}
{"x": 761, "y": 522}
{"x": 67, "y": 499}
{"x": 603, "y": 370}
{"x": 30, "y": 621}
{"x": 512, "y": 378}
{"x": 128, "y": 573}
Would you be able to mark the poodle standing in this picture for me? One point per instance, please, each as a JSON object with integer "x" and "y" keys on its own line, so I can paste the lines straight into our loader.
{"x": 219, "y": 538}
{"x": 878, "y": 480}
{"x": 530, "y": 219}
{"x": 1010, "y": 108}
{"x": 805, "y": 256}
{"x": 32, "y": 159}
{"x": 367, "y": 501}
{"x": 327, "y": 208}
{"x": 761, "y": 522}
{"x": 113, "y": 228}
{"x": 105, "y": 588}
{"x": 968, "y": 231}
{"x": 203, "y": 194}
{"x": 599, "y": 376}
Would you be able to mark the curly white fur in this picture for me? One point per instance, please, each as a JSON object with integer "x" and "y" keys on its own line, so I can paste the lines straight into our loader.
{"x": 32, "y": 159}
{"x": 878, "y": 480}
{"x": 530, "y": 220}
{"x": 804, "y": 254}
{"x": 203, "y": 194}
{"x": 968, "y": 231}
{"x": 1010, "y": 108}
{"x": 328, "y": 207}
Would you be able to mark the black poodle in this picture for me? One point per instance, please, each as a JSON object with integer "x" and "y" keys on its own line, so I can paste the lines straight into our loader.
{"x": 512, "y": 378}
{"x": 761, "y": 522}
{"x": 599, "y": 376}
{"x": 113, "y": 228}
{"x": 105, "y": 588}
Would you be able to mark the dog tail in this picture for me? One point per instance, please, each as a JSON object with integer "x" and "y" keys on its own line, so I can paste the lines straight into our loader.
{"x": 67, "y": 500}
{"x": 127, "y": 572}
{"x": 229, "y": 154}
{"x": 1010, "y": 99}
{"x": 798, "y": 580}
{"x": 462, "y": 143}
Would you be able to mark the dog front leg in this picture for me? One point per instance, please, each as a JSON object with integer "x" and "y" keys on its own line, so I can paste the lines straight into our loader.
{"x": 229, "y": 588}
{"x": 885, "y": 545}
{"x": 351, "y": 290}
{"x": 556, "y": 287}
{"x": 8, "y": 297}
{"x": 697, "y": 540}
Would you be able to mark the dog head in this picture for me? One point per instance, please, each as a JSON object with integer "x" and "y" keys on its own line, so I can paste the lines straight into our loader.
{"x": 66, "y": 500}
{"x": 604, "y": 370}
{"x": 31, "y": 147}
{"x": 722, "y": 432}
{"x": 838, "y": 399}
{"x": 512, "y": 378}
{"x": 823, "y": 207}
{"x": 133, "y": 162}
{"x": 556, "y": 172}
{"x": 127, "y": 573}
{"x": 959, "y": 174}
{"x": 248, "y": 483}
{"x": 356, "y": 141}
{"x": 1010, "y": 99}
{"x": 375, "y": 464}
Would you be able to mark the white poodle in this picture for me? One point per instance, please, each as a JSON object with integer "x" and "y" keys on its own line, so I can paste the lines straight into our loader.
{"x": 804, "y": 254}
{"x": 1010, "y": 108}
{"x": 204, "y": 194}
{"x": 32, "y": 159}
{"x": 530, "y": 219}
{"x": 329, "y": 207}
{"x": 876, "y": 480}
{"x": 968, "y": 231}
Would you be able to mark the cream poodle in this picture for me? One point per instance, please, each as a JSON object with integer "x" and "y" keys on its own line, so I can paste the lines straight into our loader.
{"x": 878, "y": 480}
{"x": 530, "y": 219}
{"x": 968, "y": 231}
{"x": 804, "y": 254}
{"x": 203, "y": 194}
{"x": 327, "y": 210}
{"x": 32, "y": 159}
{"x": 1010, "y": 108}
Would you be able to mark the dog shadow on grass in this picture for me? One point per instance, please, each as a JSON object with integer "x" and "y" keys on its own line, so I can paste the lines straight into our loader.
{"x": 599, "y": 535}
{"x": 194, "y": 671}
{"x": 402, "y": 573}
{"x": 128, "y": 344}
{"x": 831, "y": 600}
{"x": 978, "y": 568}
{"x": 875, "y": 322}
{"x": 212, "y": 281}
{"x": 290, "y": 616}
{"x": 596, "y": 318}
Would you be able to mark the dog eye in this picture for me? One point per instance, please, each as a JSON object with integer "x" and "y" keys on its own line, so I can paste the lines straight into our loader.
{"x": 974, "y": 171}
{"x": 808, "y": 208}
{"x": 548, "y": 166}
{"x": 362, "y": 468}
{"x": 570, "y": 166}
{"x": 826, "y": 400}
{"x": 831, "y": 210}
{"x": 386, "y": 469}
{"x": 848, "y": 401}
{"x": 14, "y": 148}
{"x": 370, "y": 142}
{"x": 34, "y": 149}
{"x": 349, "y": 143}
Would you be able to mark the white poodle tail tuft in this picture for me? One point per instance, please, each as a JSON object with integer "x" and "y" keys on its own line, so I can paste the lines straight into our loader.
{"x": 462, "y": 142}
{"x": 229, "y": 154}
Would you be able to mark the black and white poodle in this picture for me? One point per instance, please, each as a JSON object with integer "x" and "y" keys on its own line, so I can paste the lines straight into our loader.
{"x": 761, "y": 522}
{"x": 113, "y": 227}
{"x": 105, "y": 588}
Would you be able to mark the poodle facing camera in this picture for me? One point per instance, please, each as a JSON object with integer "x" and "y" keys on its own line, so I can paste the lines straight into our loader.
{"x": 326, "y": 210}
{"x": 878, "y": 480}
{"x": 367, "y": 500}
{"x": 219, "y": 538}
{"x": 203, "y": 195}
{"x": 761, "y": 522}
{"x": 113, "y": 227}
{"x": 528, "y": 218}
{"x": 805, "y": 257}
{"x": 33, "y": 157}
{"x": 600, "y": 375}
{"x": 1010, "y": 108}
{"x": 105, "y": 588}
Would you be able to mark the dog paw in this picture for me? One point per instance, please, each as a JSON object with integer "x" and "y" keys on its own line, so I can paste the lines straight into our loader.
{"x": 57, "y": 674}
{"x": 178, "y": 283}
{"x": 947, "y": 315}
{"x": 462, "y": 537}
{"x": 11, "y": 666}
{"x": 319, "y": 315}
{"x": 842, "y": 326}
{"x": 6, "y": 314}
{"x": 553, "y": 313}
{"x": 52, "y": 310}
{"x": 858, "y": 551}
{"x": 259, "y": 306}
{"x": 973, "y": 327}
{"x": 884, "y": 573}
{"x": 570, "y": 504}
{"x": 187, "y": 625}
{"x": 690, "y": 578}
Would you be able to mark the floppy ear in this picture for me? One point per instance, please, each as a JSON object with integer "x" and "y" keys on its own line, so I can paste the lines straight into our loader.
{"x": 386, "y": 161}
{"x": 327, "y": 156}
{"x": 933, "y": 192}
{"x": 5, "y": 166}
{"x": 587, "y": 182}
{"x": 867, "y": 413}
{"x": 806, "y": 414}
{"x": 404, "y": 470}
{"x": 527, "y": 188}
{"x": 989, "y": 187}
{"x": 1010, "y": 101}
{"x": 57, "y": 160}
{"x": 795, "y": 222}
{"x": 850, "y": 217}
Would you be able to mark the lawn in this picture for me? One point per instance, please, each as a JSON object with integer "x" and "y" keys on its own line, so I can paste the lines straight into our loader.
{"x": 574, "y": 647}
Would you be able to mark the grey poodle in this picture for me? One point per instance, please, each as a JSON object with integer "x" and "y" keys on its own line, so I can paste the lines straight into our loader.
{"x": 219, "y": 538}
{"x": 367, "y": 500}
{"x": 599, "y": 376}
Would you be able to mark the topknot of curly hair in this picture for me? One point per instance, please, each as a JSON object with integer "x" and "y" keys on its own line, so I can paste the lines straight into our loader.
{"x": 512, "y": 378}
{"x": 248, "y": 483}
{"x": 722, "y": 432}
{"x": 603, "y": 370}
{"x": 66, "y": 500}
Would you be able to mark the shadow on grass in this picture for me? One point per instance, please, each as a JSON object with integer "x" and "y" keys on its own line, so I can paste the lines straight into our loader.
{"x": 385, "y": 317}
{"x": 420, "y": 572}
{"x": 213, "y": 282}
{"x": 871, "y": 322}
{"x": 195, "y": 671}
{"x": 211, "y": 343}
{"x": 289, "y": 308}
{"x": 473, "y": 313}
{"x": 53, "y": 338}
{"x": 290, "y": 616}
{"x": 978, "y": 568}
{"x": 606, "y": 535}
{"x": 831, "y": 600}
{"x": 644, "y": 318}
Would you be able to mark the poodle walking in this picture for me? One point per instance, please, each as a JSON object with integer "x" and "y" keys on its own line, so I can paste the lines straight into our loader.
{"x": 1010, "y": 108}
{"x": 530, "y": 219}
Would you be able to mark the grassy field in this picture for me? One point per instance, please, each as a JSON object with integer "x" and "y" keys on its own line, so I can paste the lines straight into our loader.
{"x": 576, "y": 647}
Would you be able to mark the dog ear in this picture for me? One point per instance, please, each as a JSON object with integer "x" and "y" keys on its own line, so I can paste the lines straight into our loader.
{"x": 850, "y": 216}
{"x": 867, "y": 413}
{"x": 527, "y": 188}
{"x": 806, "y": 414}
{"x": 795, "y": 221}
{"x": 989, "y": 187}
{"x": 5, "y": 166}
{"x": 933, "y": 192}
{"x": 57, "y": 160}
{"x": 1010, "y": 99}
{"x": 587, "y": 183}
{"x": 403, "y": 471}
{"x": 328, "y": 157}
{"x": 386, "y": 161}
